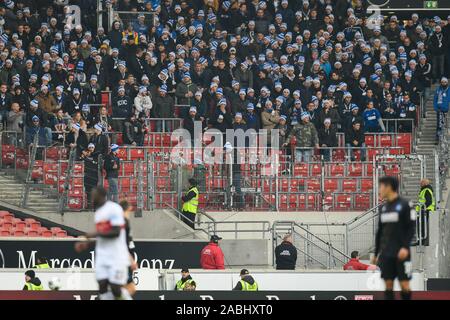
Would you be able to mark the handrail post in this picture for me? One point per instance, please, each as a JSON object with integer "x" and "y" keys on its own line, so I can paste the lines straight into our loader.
{"x": 140, "y": 191}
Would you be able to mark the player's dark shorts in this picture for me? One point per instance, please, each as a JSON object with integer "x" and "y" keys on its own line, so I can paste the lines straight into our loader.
{"x": 392, "y": 268}
{"x": 130, "y": 276}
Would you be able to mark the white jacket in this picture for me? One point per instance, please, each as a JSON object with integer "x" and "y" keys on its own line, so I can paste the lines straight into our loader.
{"x": 142, "y": 103}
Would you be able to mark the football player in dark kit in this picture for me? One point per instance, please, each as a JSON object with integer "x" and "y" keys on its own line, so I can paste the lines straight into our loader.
{"x": 396, "y": 229}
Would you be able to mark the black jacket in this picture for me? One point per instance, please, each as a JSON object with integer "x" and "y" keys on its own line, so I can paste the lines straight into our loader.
{"x": 111, "y": 160}
{"x": 101, "y": 143}
{"x": 286, "y": 256}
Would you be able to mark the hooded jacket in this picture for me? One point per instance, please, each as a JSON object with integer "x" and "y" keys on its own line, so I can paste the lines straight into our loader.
{"x": 248, "y": 278}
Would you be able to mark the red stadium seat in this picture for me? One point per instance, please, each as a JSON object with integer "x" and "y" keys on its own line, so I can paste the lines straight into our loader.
{"x": 136, "y": 153}
{"x": 349, "y": 185}
{"x": 366, "y": 185}
{"x": 331, "y": 185}
{"x": 19, "y": 233}
{"x": 300, "y": 170}
{"x": 355, "y": 169}
{"x": 370, "y": 140}
{"x": 5, "y": 213}
{"x": 5, "y": 233}
{"x": 343, "y": 202}
{"x": 6, "y": 216}
{"x": 75, "y": 203}
{"x": 6, "y": 225}
{"x": 336, "y": 170}
{"x": 61, "y": 234}
{"x": 128, "y": 168}
{"x": 122, "y": 153}
{"x": 283, "y": 203}
{"x": 32, "y": 233}
{"x": 313, "y": 185}
{"x": 20, "y": 225}
{"x": 8, "y": 154}
{"x": 385, "y": 140}
{"x": 316, "y": 169}
{"x": 362, "y": 201}
{"x": 52, "y": 153}
{"x": 38, "y": 170}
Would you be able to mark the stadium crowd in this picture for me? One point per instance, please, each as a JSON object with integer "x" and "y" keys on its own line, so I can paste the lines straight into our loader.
{"x": 309, "y": 68}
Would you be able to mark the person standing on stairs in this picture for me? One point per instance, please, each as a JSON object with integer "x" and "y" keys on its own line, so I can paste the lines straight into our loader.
{"x": 190, "y": 204}
{"x": 426, "y": 204}
{"x": 441, "y": 104}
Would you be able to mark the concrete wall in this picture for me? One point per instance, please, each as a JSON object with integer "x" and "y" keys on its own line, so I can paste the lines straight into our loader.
{"x": 245, "y": 252}
{"x": 299, "y": 217}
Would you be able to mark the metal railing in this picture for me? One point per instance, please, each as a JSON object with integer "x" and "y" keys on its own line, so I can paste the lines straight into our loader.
{"x": 314, "y": 251}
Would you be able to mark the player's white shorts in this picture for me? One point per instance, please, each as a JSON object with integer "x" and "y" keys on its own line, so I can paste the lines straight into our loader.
{"x": 115, "y": 274}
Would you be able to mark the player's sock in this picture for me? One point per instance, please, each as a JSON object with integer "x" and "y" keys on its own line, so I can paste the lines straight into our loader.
{"x": 389, "y": 295}
{"x": 106, "y": 296}
{"x": 126, "y": 295}
{"x": 406, "y": 295}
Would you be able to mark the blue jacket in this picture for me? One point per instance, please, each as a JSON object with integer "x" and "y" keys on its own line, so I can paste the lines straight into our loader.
{"x": 441, "y": 100}
{"x": 32, "y": 131}
{"x": 371, "y": 117}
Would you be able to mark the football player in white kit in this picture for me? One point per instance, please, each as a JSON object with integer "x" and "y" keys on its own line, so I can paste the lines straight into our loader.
{"x": 112, "y": 258}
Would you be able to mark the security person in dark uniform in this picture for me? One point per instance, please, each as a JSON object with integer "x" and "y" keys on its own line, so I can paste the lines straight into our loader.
{"x": 42, "y": 263}
{"x": 247, "y": 283}
{"x": 396, "y": 227}
{"x": 286, "y": 254}
{"x": 426, "y": 205}
{"x": 190, "y": 204}
{"x": 185, "y": 280}
{"x": 32, "y": 283}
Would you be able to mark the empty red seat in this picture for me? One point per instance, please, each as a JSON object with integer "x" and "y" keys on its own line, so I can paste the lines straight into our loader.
{"x": 55, "y": 230}
{"x": 404, "y": 141}
{"x": 366, "y": 185}
{"x": 283, "y": 185}
{"x": 316, "y": 169}
{"x": 343, "y": 202}
{"x": 338, "y": 155}
{"x": 52, "y": 153}
{"x": 32, "y": 233}
{"x": 136, "y": 153}
{"x": 313, "y": 185}
{"x": 50, "y": 173}
{"x": 331, "y": 185}
{"x": 18, "y": 233}
{"x": 307, "y": 202}
{"x": 61, "y": 234}
{"x": 385, "y": 140}
{"x": 124, "y": 184}
{"x": 7, "y": 216}
{"x": 4, "y": 232}
{"x": 4, "y": 213}
{"x": 370, "y": 140}
{"x": 355, "y": 169}
{"x": 300, "y": 170}
{"x": 75, "y": 203}
{"x": 78, "y": 169}
{"x": 128, "y": 168}
{"x": 6, "y": 225}
{"x": 8, "y": 154}
{"x": 349, "y": 185}
{"x": 283, "y": 203}
{"x": 20, "y": 225}
{"x": 122, "y": 153}
{"x": 46, "y": 233}
{"x": 336, "y": 170}
{"x": 362, "y": 201}
{"x": 294, "y": 185}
